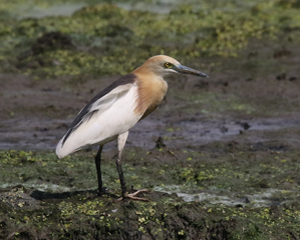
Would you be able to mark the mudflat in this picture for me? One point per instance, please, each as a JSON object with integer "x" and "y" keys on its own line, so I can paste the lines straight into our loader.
{"x": 220, "y": 155}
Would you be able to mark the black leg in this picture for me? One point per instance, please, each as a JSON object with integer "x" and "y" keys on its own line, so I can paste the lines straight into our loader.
{"x": 98, "y": 167}
{"x": 121, "y": 143}
{"x": 121, "y": 175}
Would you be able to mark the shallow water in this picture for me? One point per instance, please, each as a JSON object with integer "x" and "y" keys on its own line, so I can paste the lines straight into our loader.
{"x": 28, "y": 10}
{"x": 43, "y": 134}
{"x": 210, "y": 197}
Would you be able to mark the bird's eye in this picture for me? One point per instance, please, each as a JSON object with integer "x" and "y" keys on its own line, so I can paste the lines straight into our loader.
{"x": 168, "y": 65}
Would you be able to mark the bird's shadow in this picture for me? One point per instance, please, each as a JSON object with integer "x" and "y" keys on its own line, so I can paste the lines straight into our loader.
{"x": 88, "y": 194}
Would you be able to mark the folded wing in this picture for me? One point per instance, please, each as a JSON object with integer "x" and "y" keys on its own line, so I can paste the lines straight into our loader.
{"x": 108, "y": 114}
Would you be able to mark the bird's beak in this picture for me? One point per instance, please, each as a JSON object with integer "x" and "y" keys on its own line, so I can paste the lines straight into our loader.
{"x": 187, "y": 70}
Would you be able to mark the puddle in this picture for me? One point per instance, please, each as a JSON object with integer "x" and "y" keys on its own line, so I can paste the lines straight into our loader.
{"x": 195, "y": 133}
{"x": 67, "y": 9}
{"x": 162, "y": 7}
{"x": 35, "y": 11}
{"x": 264, "y": 199}
{"x": 43, "y": 134}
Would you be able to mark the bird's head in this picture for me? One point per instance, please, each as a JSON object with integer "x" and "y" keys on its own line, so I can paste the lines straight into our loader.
{"x": 161, "y": 65}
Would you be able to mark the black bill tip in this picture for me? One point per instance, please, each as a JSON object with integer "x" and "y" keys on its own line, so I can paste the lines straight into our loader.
{"x": 187, "y": 70}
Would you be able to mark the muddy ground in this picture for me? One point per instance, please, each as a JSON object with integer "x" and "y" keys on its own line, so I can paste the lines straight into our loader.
{"x": 220, "y": 156}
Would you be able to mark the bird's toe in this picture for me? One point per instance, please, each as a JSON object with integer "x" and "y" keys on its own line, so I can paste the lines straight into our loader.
{"x": 134, "y": 196}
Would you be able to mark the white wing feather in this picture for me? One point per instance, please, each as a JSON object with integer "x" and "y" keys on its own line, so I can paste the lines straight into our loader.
{"x": 109, "y": 116}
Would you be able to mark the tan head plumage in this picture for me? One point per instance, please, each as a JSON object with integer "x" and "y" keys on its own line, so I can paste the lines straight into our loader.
{"x": 161, "y": 64}
{"x": 156, "y": 65}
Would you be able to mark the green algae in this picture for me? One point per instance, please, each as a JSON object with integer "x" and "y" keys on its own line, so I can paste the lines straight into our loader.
{"x": 109, "y": 39}
{"x": 260, "y": 179}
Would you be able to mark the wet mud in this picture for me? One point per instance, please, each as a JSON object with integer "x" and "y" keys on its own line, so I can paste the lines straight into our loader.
{"x": 220, "y": 156}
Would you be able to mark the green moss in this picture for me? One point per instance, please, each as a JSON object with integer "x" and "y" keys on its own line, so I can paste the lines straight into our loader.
{"x": 109, "y": 40}
{"x": 235, "y": 171}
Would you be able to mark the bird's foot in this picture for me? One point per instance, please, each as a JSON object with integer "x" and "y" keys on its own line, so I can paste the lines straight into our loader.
{"x": 103, "y": 191}
{"x": 133, "y": 196}
{"x": 98, "y": 193}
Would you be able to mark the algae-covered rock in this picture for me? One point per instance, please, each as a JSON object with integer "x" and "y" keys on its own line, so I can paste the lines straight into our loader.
{"x": 234, "y": 197}
{"x": 112, "y": 40}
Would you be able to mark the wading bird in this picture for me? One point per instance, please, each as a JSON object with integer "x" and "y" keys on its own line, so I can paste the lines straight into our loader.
{"x": 117, "y": 108}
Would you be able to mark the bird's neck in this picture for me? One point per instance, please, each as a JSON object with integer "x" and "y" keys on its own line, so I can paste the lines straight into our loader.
{"x": 151, "y": 91}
